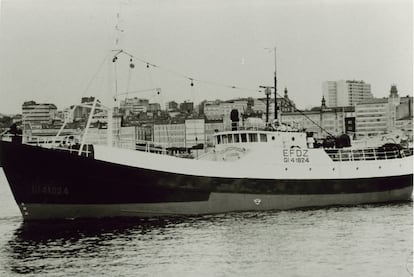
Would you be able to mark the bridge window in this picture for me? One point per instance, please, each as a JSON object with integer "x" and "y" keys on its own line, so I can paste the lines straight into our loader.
{"x": 253, "y": 137}
{"x": 236, "y": 138}
{"x": 263, "y": 137}
{"x": 243, "y": 137}
{"x": 218, "y": 139}
{"x": 230, "y": 138}
{"x": 224, "y": 138}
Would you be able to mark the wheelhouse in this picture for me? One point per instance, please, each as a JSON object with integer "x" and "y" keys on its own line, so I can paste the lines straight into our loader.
{"x": 246, "y": 138}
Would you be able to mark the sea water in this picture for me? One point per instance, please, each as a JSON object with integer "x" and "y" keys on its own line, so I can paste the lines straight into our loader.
{"x": 366, "y": 240}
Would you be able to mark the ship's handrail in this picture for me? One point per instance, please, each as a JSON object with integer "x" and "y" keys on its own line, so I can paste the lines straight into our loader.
{"x": 5, "y": 136}
{"x": 152, "y": 149}
{"x": 61, "y": 144}
{"x": 367, "y": 154}
{"x": 254, "y": 128}
{"x": 47, "y": 140}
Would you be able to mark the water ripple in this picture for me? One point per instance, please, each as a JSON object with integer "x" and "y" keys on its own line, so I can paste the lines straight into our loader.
{"x": 369, "y": 240}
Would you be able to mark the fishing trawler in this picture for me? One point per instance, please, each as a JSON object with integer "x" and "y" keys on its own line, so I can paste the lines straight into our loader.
{"x": 272, "y": 168}
{"x": 246, "y": 170}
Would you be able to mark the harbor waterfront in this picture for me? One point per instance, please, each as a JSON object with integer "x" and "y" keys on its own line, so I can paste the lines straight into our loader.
{"x": 206, "y": 138}
{"x": 366, "y": 240}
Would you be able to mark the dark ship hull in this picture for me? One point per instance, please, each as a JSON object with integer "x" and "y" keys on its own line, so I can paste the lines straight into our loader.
{"x": 54, "y": 184}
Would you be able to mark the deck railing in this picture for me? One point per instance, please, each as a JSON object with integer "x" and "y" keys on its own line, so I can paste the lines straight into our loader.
{"x": 367, "y": 154}
{"x": 258, "y": 128}
{"x": 62, "y": 143}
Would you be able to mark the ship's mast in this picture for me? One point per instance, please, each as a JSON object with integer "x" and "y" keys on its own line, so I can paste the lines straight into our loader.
{"x": 118, "y": 50}
{"x": 275, "y": 88}
{"x": 275, "y": 81}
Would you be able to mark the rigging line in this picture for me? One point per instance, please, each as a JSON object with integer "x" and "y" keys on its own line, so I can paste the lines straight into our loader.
{"x": 96, "y": 74}
{"x": 150, "y": 77}
{"x": 139, "y": 91}
{"x": 184, "y": 75}
{"x": 128, "y": 81}
{"x": 116, "y": 81}
{"x": 302, "y": 113}
{"x": 217, "y": 84}
{"x": 192, "y": 92}
{"x": 226, "y": 86}
{"x": 133, "y": 56}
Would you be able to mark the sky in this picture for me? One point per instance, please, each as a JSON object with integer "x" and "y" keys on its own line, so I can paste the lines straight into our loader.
{"x": 57, "y": 51}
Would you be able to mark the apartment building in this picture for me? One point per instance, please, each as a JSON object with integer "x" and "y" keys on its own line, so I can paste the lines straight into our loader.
{"x": 344, "y": 93}
{"x": 34, "y": 115}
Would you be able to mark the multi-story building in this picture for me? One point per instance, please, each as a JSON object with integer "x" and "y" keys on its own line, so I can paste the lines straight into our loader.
{"x": 194, "y": 132}
{"x": 88, "y": 100}
{"x": 284, "y": 105}
{"x": 405, "y": 124}
{"x": 404, "y": 111}
{"x": 237, "y": 104}
{"x": 80, "y": 113}
{"x": 154, "y": 107}
{"x": 144, "y": 133}
{"x": 211, "y": 127}
{"x": 134, "y": 105}
{"x": 122, "y": 137}
{"x": 380, "y": 115}
{"x": 181, "y": 134}
{"x": 34, "y": 115}
{"x": 372, "y": 117}
{"x": 345, "y": 93}
{"x": 219, "y": 110}
{"x": 68, "y": 114}
{"x": 171, "y": 106}
{"x": 187, "y": 107}
{"x": 212, "y": 110}
{"x": 323, "y": 120}
{"x": 170, "y": 135}
{"x": 405, "y": 108}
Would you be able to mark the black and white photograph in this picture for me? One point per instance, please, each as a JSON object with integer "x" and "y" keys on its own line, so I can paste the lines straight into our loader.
{"x": 206, "y": 138}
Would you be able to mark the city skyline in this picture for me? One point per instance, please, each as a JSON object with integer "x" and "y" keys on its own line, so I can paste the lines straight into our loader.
{"x": 52, "y": 53}
{"x": 120, "y": 103}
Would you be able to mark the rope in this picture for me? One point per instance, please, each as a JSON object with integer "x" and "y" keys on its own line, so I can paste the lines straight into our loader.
{"x": 192, "y": 80}
{"x": 128, "y": 81}
{"x": 182, "y": 75}
{"x": 302, "y": 113}
{"x": 95, "y": 74}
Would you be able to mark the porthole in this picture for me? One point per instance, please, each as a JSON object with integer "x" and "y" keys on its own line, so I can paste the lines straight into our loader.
{"x": 293, "y": 138}
{"x": 357, "y": 168}
{"x": 286, "y": 169}
{"x": 273, "y": 137}
{"x": 333, "y": 169}
{"x": 379, "y": 167}
{"x": 310, "y": 169}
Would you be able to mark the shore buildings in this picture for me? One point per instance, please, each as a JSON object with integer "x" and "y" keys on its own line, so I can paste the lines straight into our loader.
{"x": 34, "y": 115}
{"x": 171, "y": 106}
{"x": 383, "y": 115}
{"x": 344, "y": 93}
{"x": 323, "y": 120}
{"x": 181, "y": 126}
{"x": 134, "y": 105}
{"x": 187, "y": 107}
